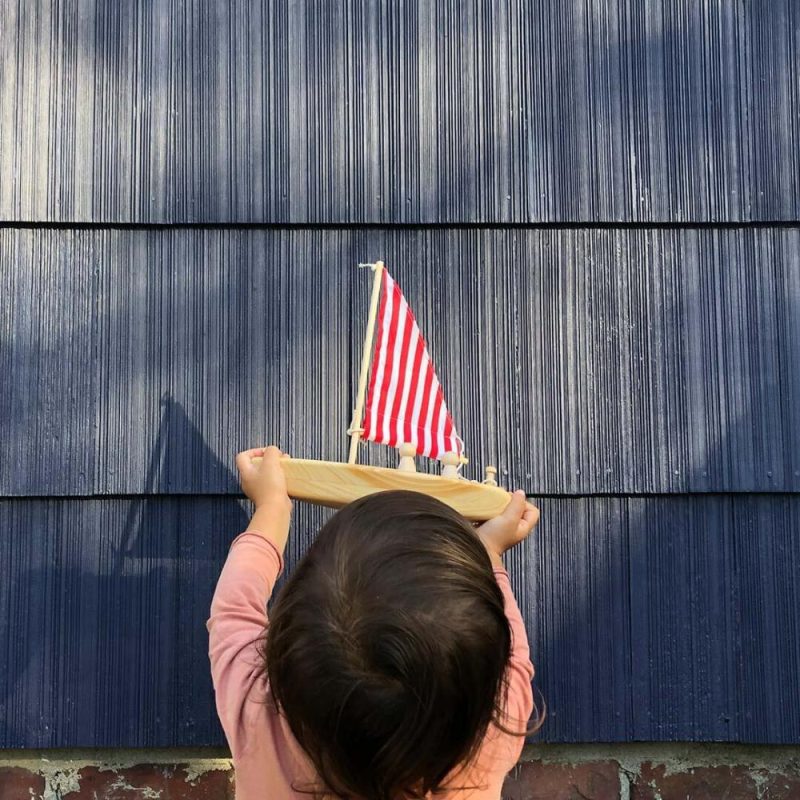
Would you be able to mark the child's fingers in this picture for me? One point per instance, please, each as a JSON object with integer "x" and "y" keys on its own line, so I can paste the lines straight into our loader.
{"x": 244, "y": 460}
{"x": 529, "y": 520}
{"x": 272, "y": 456}
{"x": 515, "y": 508}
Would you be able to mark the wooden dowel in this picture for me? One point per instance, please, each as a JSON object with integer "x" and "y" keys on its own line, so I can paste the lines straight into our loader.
{"x": 355, "y": 425}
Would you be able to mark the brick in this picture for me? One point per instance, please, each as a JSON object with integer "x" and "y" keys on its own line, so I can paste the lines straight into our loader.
{"x": 699, "y": 783}
{"x": 778, "y": 785}
{"x": 151, "y": 782}
{"x": 532, "y": 780}
{"x": 19, "y": 784}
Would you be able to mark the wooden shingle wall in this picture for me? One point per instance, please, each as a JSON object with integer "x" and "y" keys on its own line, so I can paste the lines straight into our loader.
{"x": 593, "y": 207}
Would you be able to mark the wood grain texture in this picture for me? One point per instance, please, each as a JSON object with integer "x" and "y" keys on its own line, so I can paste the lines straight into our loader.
{"x": 162, "y": 306}
{"x": 334, "y": 484}
{"x": 623, "y": 361}
{"x": 408, "y": 111}
{"x": 652, "y": 618}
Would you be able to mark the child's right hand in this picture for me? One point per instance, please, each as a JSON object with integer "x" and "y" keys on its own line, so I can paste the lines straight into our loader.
{"x": 263, "y": 481}
{"x": 509, "y": 528}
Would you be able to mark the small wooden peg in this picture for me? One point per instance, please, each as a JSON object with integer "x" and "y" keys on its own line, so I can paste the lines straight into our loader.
{"x": 450, "y": 462}
{"x": 407, "y": 452}
{"x": 491, "y": 476}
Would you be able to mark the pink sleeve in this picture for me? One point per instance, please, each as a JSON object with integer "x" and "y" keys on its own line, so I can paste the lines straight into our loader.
{"x": 236, "y": 628}
{"x": 500, "y": 751}
{"x": 519, "y": 706}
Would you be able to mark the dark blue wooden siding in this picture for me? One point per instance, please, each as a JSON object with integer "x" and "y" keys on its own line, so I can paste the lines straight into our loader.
{"x": 650, "y": 618}
{"x": 400, "y": 111}
{"x": 583, "y": 361}
{"x": 632, "y": 358}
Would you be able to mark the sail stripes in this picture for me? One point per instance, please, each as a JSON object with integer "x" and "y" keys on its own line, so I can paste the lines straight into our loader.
{"x": 405, "y": 402}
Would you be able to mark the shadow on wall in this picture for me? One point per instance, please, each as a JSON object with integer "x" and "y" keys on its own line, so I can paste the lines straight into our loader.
{"x": 117, "y": 651}
{"x": 650, "y": 615}
{"x": 655, "y": 617}
{"x": 113, "y": 576}
{"x": 140, "y": 539}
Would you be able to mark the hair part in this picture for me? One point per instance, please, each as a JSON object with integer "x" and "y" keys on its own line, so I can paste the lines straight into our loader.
{"x": 387, "y": 647}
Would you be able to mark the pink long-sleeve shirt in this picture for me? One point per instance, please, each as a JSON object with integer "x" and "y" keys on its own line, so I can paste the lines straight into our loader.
{"x": 266, "y": 756}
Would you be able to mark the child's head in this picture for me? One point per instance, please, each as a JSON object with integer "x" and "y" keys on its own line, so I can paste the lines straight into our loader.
{"x": 388, "y": 645}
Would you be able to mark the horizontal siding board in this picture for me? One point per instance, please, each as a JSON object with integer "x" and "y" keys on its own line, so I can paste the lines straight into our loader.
{"x": 578, "y": 361}
{"x": 400, "y": 112}
{"x": 588, "y": 361}
{"x": 104, "y": 604}
{"x": 665, "y": 618}
{"x": 109, "y": 644}
{"x": 661, "y": 618}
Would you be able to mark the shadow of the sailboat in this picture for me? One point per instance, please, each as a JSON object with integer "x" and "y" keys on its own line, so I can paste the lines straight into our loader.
{"x": 126, "y": 659}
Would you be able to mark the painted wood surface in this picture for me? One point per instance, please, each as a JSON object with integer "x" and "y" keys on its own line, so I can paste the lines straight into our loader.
{"x": 594, "y": 209}
{"x": 650, "y": 618}
{"x": 623, "y": 361}
{"x": 402, "y": 111}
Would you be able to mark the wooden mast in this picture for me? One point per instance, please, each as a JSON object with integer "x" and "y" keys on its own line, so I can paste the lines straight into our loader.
{"x": 355, "y": 430}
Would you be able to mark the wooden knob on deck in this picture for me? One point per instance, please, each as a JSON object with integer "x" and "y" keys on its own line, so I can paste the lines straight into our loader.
{"x": 407, "y": 452}
{"x": 450, "y": 462}
{"x": 491, "y": 476}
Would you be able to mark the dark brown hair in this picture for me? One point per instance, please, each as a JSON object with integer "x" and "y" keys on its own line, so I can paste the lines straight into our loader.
{"x": 387, "y": 647}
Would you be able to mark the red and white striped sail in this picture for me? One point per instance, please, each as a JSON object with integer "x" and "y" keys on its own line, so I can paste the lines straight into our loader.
{"x": 405, "y": 401}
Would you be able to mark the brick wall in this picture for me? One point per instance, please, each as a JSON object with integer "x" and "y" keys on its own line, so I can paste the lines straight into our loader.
{"x": 570, "y": 772}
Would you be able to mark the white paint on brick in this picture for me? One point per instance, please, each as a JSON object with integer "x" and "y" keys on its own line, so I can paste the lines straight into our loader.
{"x": 60, "y": 769}
{"x": 624, "y": 785}
{"x": 675, "y": 757}
{"x": 57, "y": 781}
{"x": 61, "y": 775}
{"x": 147, "y": 792}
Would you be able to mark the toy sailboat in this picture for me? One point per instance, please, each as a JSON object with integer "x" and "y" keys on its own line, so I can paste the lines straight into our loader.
{"x": 404, "y": 408}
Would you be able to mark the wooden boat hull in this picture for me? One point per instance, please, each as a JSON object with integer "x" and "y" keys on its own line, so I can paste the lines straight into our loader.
{"x": 335, "y": 484}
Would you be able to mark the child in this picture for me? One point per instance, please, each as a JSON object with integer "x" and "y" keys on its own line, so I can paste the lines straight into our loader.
{"x": 395, "y": 663}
